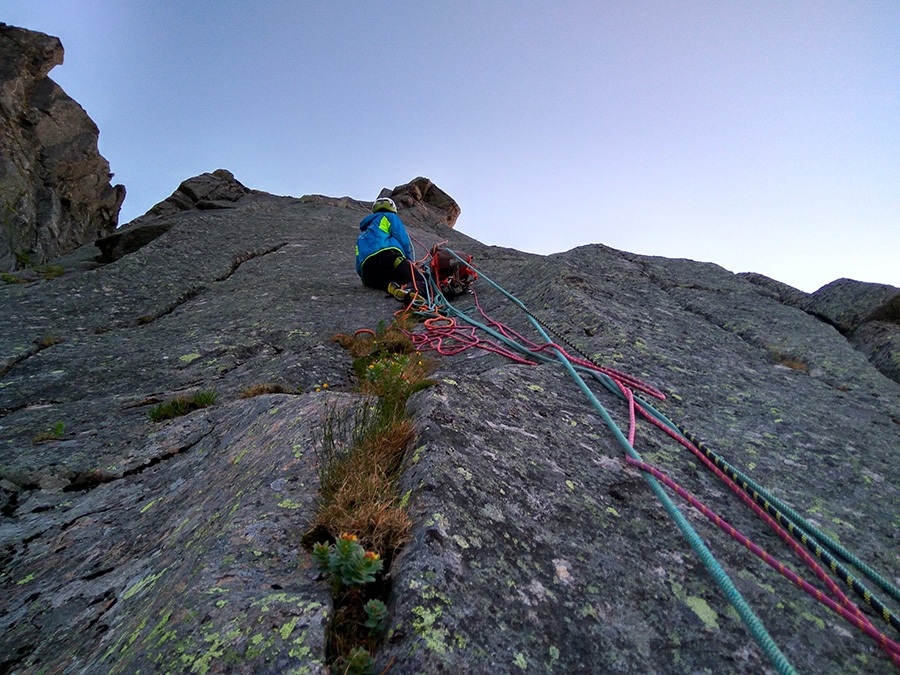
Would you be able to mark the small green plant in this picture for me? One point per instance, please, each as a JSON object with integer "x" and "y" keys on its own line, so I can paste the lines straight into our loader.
{"x": 11, "y": 278}
{"x": 376, "y": 611}
{"x": 182, "y": 405}
{"x": 52, "y": 434}
{"x": 52, "y": 271}
{"x": 393, "y": 378}
{"x": 349, "y": 568}
{"x": 359, "y": 662}
{"x": 346, "y": 562}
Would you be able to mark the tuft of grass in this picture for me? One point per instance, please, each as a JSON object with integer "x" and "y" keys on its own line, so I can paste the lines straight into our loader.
{"x": 8, "y": 278}
{"x": 52, "y": 434}
{"x": 359, "y": 464}
{"x": 182, "y": 405}
{"x": 790, "y": 361}
{"x": 796, "y": 364}
{"x": 50, "y": 339}
{"x": 363, "y": 447}
{"x": 260, "y": 389}
{"x": 49, "y": 272}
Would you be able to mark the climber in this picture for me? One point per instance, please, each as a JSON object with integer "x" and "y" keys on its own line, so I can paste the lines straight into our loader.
{"x": 384, "y": 258}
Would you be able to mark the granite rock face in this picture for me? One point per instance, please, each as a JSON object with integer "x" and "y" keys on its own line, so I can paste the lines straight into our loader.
{"x": 54, "y": 184}
{"x": 216, "y": 190}
{"x": 847, "y": 304}
{"x": 868, "y": 314}
{"x": 127, "y": 544}
{"x": 425, "y": 200}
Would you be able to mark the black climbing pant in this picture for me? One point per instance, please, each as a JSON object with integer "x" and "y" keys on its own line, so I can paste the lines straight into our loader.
{"x": 387, "y": 266}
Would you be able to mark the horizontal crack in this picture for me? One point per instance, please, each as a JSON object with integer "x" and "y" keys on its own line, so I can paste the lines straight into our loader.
{"x": 97, "y": 574}
{"x": 39, "y": 346}
{"x": 249, "y": 255}
{"x": 188, "y": 295}
{"x": 88, "y": 480}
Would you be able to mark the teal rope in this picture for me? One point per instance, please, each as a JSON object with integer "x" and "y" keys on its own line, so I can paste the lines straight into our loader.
{"x": 757, "y": 630}
{"x": 811, "y": 536}
{"x": 762, "y": 495}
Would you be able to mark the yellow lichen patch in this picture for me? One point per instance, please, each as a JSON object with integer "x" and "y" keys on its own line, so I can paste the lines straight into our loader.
{"x": 702, "y": 609}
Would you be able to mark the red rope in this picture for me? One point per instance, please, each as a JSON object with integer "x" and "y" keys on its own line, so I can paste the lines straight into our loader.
{"x": 847, "y": 609}
{"x": 855, "y": 617}
{"x": 445, "y": 336}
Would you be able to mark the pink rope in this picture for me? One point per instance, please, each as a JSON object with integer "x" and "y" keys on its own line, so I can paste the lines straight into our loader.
{"x": 854, "y": 617}
{"x": 847, "y": 609}
{"x": 434, "y": 338}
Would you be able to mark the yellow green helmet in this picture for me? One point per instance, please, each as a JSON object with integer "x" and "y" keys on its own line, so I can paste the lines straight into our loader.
{"x": 384, "y": 204}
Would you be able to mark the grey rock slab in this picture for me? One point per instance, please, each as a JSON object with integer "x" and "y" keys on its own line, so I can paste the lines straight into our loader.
{"x": 847, "y": 303}
{"x": 192, "y": 564}
{"x": 880, "y": 342}
{"x": 535, "y": 547}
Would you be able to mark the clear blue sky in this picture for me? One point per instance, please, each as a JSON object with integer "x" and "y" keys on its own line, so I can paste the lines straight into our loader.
{"x": 760, "y": 135}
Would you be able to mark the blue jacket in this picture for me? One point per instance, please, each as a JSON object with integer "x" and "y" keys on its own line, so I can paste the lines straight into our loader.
{"x": 379, "y": 232}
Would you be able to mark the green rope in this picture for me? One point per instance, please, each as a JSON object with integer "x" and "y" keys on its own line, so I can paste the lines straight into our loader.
{"x": 726, "y": 585}
{"x": 813, "y": 538}
{"x": 806, "y": 533}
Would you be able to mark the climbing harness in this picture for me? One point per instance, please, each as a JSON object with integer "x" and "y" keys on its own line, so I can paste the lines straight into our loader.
{"x": 444, "y": 334}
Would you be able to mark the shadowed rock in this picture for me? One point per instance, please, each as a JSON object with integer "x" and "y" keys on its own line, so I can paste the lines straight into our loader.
{"x": 216, "y": 190}
{"x": 422, "y": 199}
{"x": 127, "y": 544}
{"x": 868, "y": 314}
{"x": 54, "y": 185}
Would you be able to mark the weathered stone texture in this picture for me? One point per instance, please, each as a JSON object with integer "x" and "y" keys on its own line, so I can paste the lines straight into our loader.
{"x": 847, "y": 304}
{"x": 54, "y": 185}
{"x": 537, "y": 549}
{"x": 880, "y": 342}
{"x": 867, "y": 314}
{"x": 130, "y": 545}
{"x": 216, "y": 190}
{"x": 423, "y": 199}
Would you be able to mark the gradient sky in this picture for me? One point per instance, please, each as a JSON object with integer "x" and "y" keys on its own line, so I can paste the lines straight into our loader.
{"x": 763, "y": 136}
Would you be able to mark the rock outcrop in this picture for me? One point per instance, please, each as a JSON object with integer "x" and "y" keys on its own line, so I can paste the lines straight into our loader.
{"x": 54, "y": 184}
{"x": 128, "y": 544}
{"x": 867, "y": 314}
{"x": 424, "y": 200}
{"x": 216, "y": 190}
